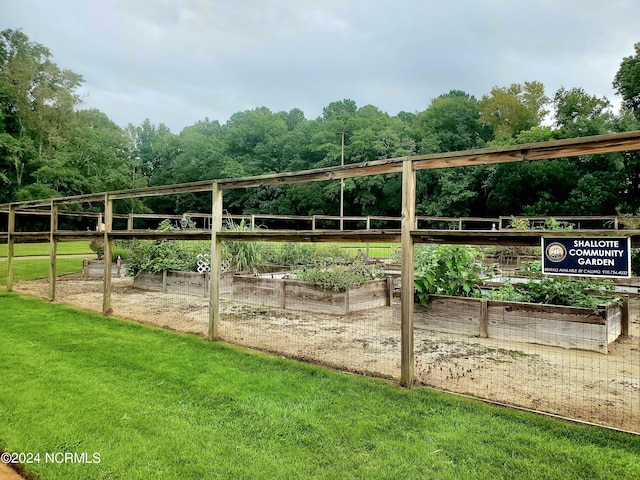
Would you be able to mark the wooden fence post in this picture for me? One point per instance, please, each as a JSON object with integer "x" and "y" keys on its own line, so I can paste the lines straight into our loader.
{"x": 216, "y": 258}
{"x": 389, "y": 281}
{"x": 108, "y": 224}
{"x": 10, "y": 246}
{"x": 53, "y": 249}
{"x": 624, "y": 327}
{"x": 406, "y": 307}
{"x": 484, "y": 314}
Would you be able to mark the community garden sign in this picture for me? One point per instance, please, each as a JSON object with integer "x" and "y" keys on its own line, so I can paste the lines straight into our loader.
{"x": 587, "y": 256}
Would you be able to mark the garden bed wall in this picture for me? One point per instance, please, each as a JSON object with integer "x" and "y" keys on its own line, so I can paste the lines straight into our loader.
{"x": 558, "y": 326}
{"x": 95, "y": 268}
{"x": 183, "y": 282}
{"x": 297, "y": 295}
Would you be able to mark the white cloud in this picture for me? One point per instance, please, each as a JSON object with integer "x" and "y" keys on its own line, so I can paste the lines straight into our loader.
{"x": 179, "y": 61}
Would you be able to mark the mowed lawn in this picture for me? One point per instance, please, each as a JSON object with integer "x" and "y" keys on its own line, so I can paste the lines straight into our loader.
{"x": 63, "y": 248}
{"x": 33, "y": 269}
{"x": 150, "y": 403}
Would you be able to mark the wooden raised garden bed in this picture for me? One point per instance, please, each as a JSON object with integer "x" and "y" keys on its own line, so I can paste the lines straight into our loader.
{"x": 554, "y": 325}
{"x": 95, "y": 268}
{"x": 170, "y": 281}
{"x": 298, "y": 295}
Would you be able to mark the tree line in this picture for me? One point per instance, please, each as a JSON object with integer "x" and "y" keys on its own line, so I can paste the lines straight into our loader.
{"x": 50, "y": 147}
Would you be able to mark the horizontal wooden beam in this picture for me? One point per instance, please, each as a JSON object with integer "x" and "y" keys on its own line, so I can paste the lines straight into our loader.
{"x": 572, "y": 147}
{"x": 527, "y": 238}
{"x": 615, "y": 142}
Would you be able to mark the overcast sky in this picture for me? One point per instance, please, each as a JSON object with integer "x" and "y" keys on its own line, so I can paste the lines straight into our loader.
{"x": 180, "y": 61}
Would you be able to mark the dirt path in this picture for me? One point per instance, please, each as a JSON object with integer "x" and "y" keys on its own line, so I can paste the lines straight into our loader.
{"x": 8, "y": 473}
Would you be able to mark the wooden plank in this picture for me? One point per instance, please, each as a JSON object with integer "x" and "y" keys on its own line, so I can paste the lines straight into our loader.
{"x": 624, "y": 317}
{"x": 539, "y": 332}
{"x": 535, "y": 151}
{"x": 370, "y": 295}
{"x": 52, "y": 251}
{"x": 216, "y": 260}
{"x": 302, "y": 296}
{"x": 457, "y": 237}
{"x": 614, "y": 326}
{"x": 10, "y": 246}
{"x": 552, "y": 312}
{"x": 407, "y": 360}
{"x": 108, "y": 224}
{"x": 449, "y": 316}
{"x": 484, "y": 316}
{"x": 543, "y": 326}
{"x": 390, "y": 289}
{"x": 185, "y": 280}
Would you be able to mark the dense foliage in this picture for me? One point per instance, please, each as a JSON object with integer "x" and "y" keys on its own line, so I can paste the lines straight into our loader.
{"x": 340, "y": 277}
{"x": 49, "y": 146}
{"x": 456, "y": 270}
{"x": 447, "y": 270}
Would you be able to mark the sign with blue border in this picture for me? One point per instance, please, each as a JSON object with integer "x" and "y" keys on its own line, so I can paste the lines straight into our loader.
{"x": 587, "y": 256}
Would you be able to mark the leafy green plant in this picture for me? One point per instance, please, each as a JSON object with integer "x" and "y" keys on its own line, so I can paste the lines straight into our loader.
{"x": 570, "y": 292}
{"x": 447, "y": 270}
{"x": 531, "y": 268}
{"x": 242, "y": 256}
{"x": 340, "y": 277}
{"x": 158, "y": 255}
{"x": 520, "y": 223}
{"x": 507, "y": 293}
{"x": 553, "y": 224}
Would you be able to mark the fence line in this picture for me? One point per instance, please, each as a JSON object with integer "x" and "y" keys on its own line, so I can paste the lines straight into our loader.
{"x": 408, "y": 235}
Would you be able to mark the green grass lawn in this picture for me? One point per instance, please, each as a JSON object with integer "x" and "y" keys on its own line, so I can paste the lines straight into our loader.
{"x": 152, "y": 403}
{"x": 31, "y": 249}
{"x": 38, "y": 268}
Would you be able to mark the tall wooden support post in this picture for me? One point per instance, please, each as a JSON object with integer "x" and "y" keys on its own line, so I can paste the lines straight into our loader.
{"x": 406, "y": 307}
{"x": 10, "y": 243}
{"x": 108, "y": 224}
{"x": 53, "y": 249}
{"x": 216, "y": 260}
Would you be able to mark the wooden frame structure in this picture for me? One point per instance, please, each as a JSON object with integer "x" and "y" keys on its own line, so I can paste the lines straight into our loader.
{"x": 407, "y": 235}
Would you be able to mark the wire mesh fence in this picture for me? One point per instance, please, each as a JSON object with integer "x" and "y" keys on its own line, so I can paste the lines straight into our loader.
{"x": 577, "y": 362}
{"x": 290, "y": 299}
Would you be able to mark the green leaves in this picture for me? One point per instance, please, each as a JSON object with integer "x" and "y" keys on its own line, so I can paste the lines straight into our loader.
{"x": 340, "y": 277}
{"x": 447, "y": 270}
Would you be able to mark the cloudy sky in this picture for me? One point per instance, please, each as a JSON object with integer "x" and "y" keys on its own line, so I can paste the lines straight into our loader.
{"x": 180, "y": 61}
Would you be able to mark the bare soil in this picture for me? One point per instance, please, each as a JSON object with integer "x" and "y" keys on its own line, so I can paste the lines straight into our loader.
{"x": 583, "y": 385}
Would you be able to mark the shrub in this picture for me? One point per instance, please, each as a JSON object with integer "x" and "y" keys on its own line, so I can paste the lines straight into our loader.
{"x": 340, "y": 277}
{"x": 447, "y": 270}
{"x": 97, "y": 246}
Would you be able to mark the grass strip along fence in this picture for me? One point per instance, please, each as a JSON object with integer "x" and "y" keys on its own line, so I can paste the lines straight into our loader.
{"x": 32, "y": 249}
{"x": 34, "y": 269}
{"x": 152, "y": 403}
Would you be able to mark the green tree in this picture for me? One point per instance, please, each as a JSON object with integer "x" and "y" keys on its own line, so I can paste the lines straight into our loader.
{"x": 511, "y": 110}
{"x": 97, "y": 158}
{"x": 578, "y": 114}
{"x": 627, "y": 81}
{"x": 37, "y": 101}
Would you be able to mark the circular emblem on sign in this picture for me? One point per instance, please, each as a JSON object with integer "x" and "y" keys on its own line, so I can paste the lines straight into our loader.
{"x": 556, "y": 252}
